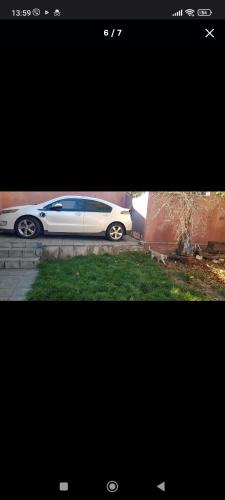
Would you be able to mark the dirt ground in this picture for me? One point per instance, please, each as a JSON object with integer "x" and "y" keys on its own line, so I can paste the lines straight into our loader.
{"x": 206, "y": 276}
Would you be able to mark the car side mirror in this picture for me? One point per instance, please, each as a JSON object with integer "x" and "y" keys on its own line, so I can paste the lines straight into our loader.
{"x": 57, "y": 206}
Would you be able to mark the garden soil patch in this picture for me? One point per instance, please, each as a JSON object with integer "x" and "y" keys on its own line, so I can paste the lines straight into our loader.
{"x": 207, "y": 276}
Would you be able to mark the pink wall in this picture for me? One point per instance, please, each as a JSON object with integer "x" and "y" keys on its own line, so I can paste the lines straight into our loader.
{"x": 160, "y": 229}
{"x": 25, "y": 197}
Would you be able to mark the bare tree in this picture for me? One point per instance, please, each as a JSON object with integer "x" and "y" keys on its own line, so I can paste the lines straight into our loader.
{"x": 182, "y": 209}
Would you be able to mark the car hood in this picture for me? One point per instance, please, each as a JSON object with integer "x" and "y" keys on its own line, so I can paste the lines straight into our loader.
{"x": 18, "y": 207}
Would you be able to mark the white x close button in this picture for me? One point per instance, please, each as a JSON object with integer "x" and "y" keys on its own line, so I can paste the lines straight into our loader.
{"x": 209, "y": 33}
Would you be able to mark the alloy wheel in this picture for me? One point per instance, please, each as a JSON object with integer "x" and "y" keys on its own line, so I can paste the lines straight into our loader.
{"x": 26, "y": 228}
{"x": 116, "y": 232}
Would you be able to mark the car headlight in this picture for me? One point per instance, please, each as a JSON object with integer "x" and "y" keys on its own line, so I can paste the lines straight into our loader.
{"x": 9, "y": 211}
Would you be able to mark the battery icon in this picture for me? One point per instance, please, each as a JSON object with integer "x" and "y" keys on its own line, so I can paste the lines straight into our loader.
{"x": 204, "y": 12}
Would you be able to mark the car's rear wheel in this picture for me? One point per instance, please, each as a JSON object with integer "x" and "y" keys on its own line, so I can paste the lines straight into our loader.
{"x": 115, "y": 232}
{"x": 28, "y": 227}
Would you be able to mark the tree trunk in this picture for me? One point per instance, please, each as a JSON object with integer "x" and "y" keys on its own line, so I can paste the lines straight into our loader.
{"x": 185, "y": 245}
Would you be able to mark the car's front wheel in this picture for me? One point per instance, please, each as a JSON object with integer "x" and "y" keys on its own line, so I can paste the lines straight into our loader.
{"x": 115, "y": 232}
{"x": 28, "y": 227}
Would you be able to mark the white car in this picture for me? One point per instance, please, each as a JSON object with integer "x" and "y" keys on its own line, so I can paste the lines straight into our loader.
{"x": 68, "y": 214}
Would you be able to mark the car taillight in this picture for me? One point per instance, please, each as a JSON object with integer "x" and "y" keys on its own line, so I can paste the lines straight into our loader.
{"x": 125, "y": 212}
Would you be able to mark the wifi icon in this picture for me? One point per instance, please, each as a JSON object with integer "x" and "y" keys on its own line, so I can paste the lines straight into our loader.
{"x": 190, "y": 12}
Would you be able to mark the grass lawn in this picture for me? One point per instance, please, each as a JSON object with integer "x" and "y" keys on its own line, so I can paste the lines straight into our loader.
{"x": 127, "y": 277}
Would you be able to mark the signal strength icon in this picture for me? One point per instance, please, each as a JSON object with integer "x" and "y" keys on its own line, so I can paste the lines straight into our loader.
{"x": 190, "y": 12}
{"x": 178, "y": 13}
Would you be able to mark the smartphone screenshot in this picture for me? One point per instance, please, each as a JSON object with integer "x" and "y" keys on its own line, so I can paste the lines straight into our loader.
{"x": 102, "y": 396}
{"x": 112, "y": 24}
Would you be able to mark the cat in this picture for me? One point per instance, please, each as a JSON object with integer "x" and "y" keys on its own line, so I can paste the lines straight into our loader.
{"x": 160, "y": 257}
{"x": 197, "y": 250}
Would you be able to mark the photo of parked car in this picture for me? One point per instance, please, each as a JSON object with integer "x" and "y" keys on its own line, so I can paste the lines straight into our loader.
{"x": 68, "y": 214}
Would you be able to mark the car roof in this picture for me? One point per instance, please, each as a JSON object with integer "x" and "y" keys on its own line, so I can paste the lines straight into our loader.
{"x": 80, "y": 197}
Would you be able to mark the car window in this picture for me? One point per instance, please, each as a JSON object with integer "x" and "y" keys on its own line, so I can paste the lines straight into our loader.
{"x": 95, "y": 206}
{"x": 68, "y": 205}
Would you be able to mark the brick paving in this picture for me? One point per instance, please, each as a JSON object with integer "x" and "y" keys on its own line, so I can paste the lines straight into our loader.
{"x": 15, "y": 283}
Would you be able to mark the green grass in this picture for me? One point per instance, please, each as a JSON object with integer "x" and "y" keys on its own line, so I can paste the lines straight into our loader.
{"x": 127, "y": 277}
{"x": 221, "y": 291}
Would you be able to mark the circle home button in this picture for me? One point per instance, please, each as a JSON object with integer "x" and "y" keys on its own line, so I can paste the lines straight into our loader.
{"x": 112, "y": 486}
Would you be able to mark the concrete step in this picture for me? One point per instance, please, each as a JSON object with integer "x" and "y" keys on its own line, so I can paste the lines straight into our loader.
{"x": 17, "y": 263}
{"x": 19, "y": 252}
{"x": 19, "y": 243}
{"x": 70, "y": 251}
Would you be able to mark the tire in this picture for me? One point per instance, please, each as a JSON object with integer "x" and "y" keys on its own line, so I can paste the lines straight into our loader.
{"x": 115, "y": 232}
{"x": 28, "y": 227}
